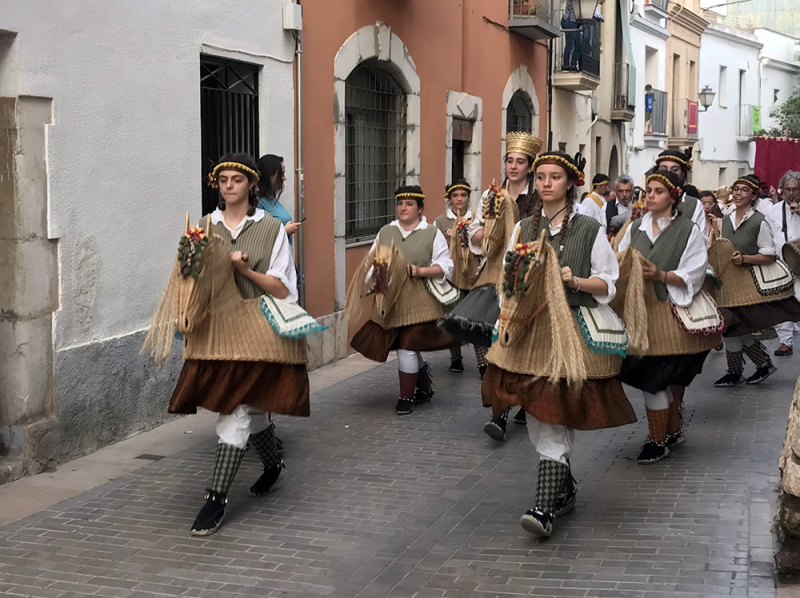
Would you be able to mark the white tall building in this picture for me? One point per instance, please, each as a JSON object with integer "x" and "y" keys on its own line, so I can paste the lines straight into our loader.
{"x": 108, "y": 112}
{"x": 649, "y": 36}
{"x": 729, "y": 65}
{"x": 780, "y": 71}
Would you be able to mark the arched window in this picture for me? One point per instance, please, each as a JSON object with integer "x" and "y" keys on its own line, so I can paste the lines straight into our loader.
{"x": 519, "y": 114}
{"x": 375, "y": 141}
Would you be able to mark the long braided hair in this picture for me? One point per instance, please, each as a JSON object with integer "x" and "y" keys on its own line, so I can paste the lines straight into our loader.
{"x": 573, "y": 167}
{"x": 525, "y": 201}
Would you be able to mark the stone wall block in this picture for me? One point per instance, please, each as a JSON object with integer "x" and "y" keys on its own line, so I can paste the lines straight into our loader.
{"x": 29, "y": 278}
{"x": 33, "y": 114}
{"x": 8, "y": 145}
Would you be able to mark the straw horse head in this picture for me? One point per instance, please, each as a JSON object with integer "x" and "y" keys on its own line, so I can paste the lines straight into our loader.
{"x": 388, "y": 274}
{"x": 500, "y": 214}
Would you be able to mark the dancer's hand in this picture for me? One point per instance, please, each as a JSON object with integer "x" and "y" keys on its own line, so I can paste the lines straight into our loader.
{"x": 239, "y": 261}
{"x": 651, "y": 272}
{"x": 568, "y": 279}
{"x": 737, "y": 258}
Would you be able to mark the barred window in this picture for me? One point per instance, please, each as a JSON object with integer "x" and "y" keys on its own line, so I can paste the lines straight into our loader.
{"x": 228, "y": 115}
{"x": 375, "y": 140}
{"x": 519, "y": 114}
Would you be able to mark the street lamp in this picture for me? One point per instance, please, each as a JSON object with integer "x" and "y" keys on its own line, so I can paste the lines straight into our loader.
{"x": 707, "y": 97}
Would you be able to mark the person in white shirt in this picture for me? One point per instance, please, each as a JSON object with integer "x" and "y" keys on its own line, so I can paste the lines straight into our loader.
{"x": 594, "y": 203}
{"x": 784, "y": 218}
{"x": 621, "y": 206}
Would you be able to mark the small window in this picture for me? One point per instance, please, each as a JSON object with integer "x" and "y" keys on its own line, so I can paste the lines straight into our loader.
{"x": 775, "y": 94}
{"x": 228, "y": 115}
{"x": 562, "y": 146}
{"x": 375, "y": 142}
{"x": 519, "y": 114}
{"x": 723, "y": 87}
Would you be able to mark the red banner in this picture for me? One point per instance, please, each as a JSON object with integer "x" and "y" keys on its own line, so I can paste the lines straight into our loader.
{"x": 774, "y": 157}
{"x": 691, "y": 127}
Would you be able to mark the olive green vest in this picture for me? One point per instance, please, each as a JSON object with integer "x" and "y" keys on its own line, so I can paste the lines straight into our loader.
{"x": 256, "y": 241}
{"x": 443, "y": 223}
{"x": 744, "y": 238}
{"x": 667, "y": 250}
{"x": 417, "y": 248}
{"x": 687, "y": 206}
{"x": 577, "y": 253}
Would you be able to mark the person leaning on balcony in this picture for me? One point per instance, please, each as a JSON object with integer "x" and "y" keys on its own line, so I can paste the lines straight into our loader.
{"x": 679, "y": 162}
{"x": 784, "y": 219}
{"x": 594, "y": 203}
{"x": 572, "y": 38}
{"x": 621, "y": 206}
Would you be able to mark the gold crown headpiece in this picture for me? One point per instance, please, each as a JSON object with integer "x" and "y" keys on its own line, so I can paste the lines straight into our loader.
{"x": 523, "y": 143}
{"x": 212, "y": 176}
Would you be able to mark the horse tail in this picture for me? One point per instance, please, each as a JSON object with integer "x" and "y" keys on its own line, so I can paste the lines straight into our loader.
{"x": 635, "y": 310}
{"x": 164, "y": 325}
{"x": 355, "y": 291}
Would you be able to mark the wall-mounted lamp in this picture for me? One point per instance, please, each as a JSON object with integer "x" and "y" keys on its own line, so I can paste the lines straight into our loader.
{"x": 707, "y": 97}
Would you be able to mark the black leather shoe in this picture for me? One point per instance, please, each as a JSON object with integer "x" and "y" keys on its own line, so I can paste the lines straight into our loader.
{"x": 496, "y": 428}
{"x": 537, "y": 523}
{"x": 267, "y": 480}
{"x": 209, "y": 519}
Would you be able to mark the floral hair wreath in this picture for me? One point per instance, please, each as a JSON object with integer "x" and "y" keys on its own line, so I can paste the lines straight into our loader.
{"x": 574, "y": 165}
{"x": 674, "y": 190}
{"x": 212, "y": 176}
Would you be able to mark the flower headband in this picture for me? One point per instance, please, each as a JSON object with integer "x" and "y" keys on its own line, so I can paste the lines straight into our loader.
{"x": 549, "y": 158}
{"x": 212, "y": 176}
{"x": 674, "y": 190}
{"x": 452, "y": 188}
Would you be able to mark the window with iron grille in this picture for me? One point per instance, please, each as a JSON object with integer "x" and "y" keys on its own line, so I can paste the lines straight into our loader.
{"x": 519, "y": 116}
{"x": 375, "y": 140}
{"x": 228, "y": 115}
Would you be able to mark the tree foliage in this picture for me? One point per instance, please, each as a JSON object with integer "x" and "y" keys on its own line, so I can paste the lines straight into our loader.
{"x": 787, "y": 116}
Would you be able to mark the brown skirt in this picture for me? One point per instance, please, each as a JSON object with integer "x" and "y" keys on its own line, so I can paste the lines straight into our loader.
{"x": 375, "y": 342}
{"x": 598, "y": 404}
{"x": 221, "y": 386}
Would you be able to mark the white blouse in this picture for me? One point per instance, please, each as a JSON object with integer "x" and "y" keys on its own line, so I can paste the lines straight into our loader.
{"x": 588, "y": 207}
{"x": 766, "y": 244}
{"x": 775, "y": 218}
{"x": 281, "y": 263}
{"x": 692, "y": 265}
{"x": 441, "y": 252}
{"x": 604, "y": 261}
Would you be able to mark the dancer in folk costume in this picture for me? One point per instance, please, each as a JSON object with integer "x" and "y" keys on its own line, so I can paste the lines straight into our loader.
{"x": 559, "y": 346}
{"x": 784, "y": 219}
{"x": 679, "y": 162}
{"x": 236, "y": 364}
{"x": 594, "y": 204}
{"x": 404, "y": 277}
{"x": 454, "y": 224}
{"x": 673, "y": 324}
{"x": 757, "y": 288}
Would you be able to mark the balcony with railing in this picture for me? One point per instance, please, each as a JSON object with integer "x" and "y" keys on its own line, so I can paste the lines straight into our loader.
{"x": 683, "y": 130}
{"x": 532, "y": 19}
{"x": 658, "y": 7}
{"x": 576, "y": 54}
{"x": 656, "y": 124}
{"x": 744, "y": 123}
{"x": 623, "y": 107}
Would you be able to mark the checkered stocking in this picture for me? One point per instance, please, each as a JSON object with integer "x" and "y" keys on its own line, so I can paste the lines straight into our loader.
{"x": 675, "y": 416}
{"x": 735, "y": 362}
{"x": 552, "y": 477}
{"x": 657, "y": 422}
{"x": 757, "y": 353}
{"x": 266, "y": 446}
{"x": 480, "y": 355}
{"x": 226, "y": 465}
{"x": 455, "y": 353}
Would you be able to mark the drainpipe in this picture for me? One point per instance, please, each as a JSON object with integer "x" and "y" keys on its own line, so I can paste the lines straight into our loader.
{"x": 299, "y": 174}
{"x": 550, "y": 95}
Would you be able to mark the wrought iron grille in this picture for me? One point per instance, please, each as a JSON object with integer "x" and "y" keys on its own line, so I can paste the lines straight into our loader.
{"x": 228, "y": 115}
{"x": 519, "y": 116}
{"x": 375, "y": 140}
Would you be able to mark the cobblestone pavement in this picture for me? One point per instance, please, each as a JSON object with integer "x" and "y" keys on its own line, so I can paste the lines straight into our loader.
{"x": 427, "y": 506}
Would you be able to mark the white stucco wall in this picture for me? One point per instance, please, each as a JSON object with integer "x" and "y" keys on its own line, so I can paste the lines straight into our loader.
{"x": 717, "y": 127}
{"x": 779, "y": 70}
{"x": 124, "y": 151}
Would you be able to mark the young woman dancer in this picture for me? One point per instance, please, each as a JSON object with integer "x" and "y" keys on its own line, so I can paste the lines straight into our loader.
{"x": 522, "y": 372}
{"x": 454, "y": 224}
{"x": 244, "y": 393}
{"x": 679, "y": 163}
{"x": 674, "y": 270}
{"x": 754, "y": 246}
{"x": 410, "y": 326}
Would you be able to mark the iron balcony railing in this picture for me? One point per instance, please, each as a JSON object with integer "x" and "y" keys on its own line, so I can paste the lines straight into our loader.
{"x": 578, "y": 47}
{"x": 658, "y": 118}
{"x": 621, "y": 99}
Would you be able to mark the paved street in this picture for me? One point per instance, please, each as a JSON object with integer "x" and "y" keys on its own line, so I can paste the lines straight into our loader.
{"x": 427, "y": 506}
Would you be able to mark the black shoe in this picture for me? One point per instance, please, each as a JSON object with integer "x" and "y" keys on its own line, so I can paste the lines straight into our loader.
{"x": 457, "y": 366}
{"x": 729, "y": 379}
{"x": 779, "y": 352}
{"x": 519, "y": 418}
{"x": 422, "y": 396}
{"x": 537, "y": 523}
{"x": 210, "y": 516}
{"x": 496, "y": 428}
{"x": 404, "y": 406}
{"x": 675, "y": 438}
{"x": 265, "y": 483}
{"x": 482, "y": 370}
{"x": 652, "y": 452}
{"x": 762, "y": 374}
{"x": 565, "y": 501}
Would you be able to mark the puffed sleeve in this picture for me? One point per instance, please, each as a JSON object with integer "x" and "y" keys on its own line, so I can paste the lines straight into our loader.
{"x": 476, "y": 225}
{"x": 626, "y": 238}
{"x": 604, "y": 266}
{"x": 441, "y": 256}
{"x": 766, "y": 242}
{"x": 281, "y": 264}
{"x": 699, "y": 218}
{"x": 691, "y": 269}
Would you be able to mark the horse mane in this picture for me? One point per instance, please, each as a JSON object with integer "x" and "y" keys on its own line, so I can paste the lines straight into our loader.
{"x": 164, "y": 324}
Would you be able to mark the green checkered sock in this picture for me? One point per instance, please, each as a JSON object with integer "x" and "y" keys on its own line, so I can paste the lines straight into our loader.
{"x": 226, "y": 465}
{"x": 266, "y": 447}
{"x": 552, "y": 477}
{"x": 757, "y": 352}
